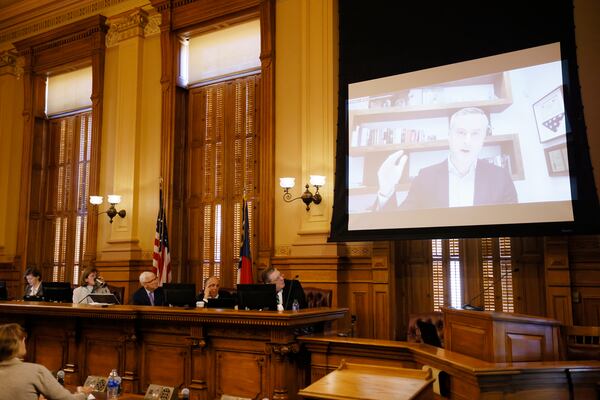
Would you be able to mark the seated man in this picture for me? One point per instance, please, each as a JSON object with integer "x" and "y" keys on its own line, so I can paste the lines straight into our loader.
{"x": 150, "y": 294}
{"x": 287, "y": 291}
{"x": 212, "y": 290}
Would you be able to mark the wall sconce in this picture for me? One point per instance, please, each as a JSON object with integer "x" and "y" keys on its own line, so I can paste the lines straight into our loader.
{"x": 307, "y": 197}
{"x": 113, "y": 200}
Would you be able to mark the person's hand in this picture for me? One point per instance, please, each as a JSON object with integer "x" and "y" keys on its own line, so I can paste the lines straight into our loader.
{"x": 85, "y": 389}
{"x": 206, "y": 292}
{"x": 389, "y": 174}
{"x": 41, "y": 397}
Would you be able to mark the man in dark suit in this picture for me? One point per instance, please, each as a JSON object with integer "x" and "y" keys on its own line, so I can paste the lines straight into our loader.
{"x": 212, "y": 290}
{"x": 462, "y": 180}
{"x": 287, "y": 290}
{"x": 150, "y": 294}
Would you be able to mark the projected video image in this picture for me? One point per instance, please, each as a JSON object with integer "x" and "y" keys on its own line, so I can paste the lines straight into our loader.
{"x": 479, "y": 142}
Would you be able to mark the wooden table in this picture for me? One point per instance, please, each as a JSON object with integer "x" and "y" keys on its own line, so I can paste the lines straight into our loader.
{"x": 212, "y": 352}
{"x": 370, "y": 382}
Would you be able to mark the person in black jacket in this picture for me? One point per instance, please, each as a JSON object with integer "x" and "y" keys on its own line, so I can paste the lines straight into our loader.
{"x": 287, "y": 290}
{"x": 150, "y": 294}
{"x": 212, "y": 290}
{"x": 34, "y": 288}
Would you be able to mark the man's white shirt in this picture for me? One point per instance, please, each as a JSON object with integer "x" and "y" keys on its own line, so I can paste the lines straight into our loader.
{"x": 461, "y": 189}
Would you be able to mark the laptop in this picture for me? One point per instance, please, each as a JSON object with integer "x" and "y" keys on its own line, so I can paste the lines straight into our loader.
{"x": 103, "y": 298}
{"x": 221, "y": 302}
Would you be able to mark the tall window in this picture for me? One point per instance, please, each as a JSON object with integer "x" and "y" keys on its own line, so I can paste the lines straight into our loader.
{"x": 497, "y": 277}
{"x": 223, "y": 69}
{"x": 447, "y": 274}
{"x": 223, "y": 166}
{"x": 67, "y": 191}
{"x": 494, "y": 267}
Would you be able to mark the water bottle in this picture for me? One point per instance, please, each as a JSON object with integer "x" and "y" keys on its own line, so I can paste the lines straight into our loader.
{"x": 295, "y": 305}
{"x": 112, "y": 385}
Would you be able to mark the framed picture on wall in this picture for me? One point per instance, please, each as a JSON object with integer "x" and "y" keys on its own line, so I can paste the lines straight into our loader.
{"x": 557, "y": 160}
{"x": 549, "y": 112}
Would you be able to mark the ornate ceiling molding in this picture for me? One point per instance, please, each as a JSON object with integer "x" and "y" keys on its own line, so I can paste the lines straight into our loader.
{"x": 136, "y": 23}
{"x": 66, "y": 15}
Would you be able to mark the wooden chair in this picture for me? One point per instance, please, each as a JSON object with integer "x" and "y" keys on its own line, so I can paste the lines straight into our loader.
{"x": 317, "y": 297}
{"x": 583, "y": 342}
{"x": 436, "y": 318}
{"x": 118, "y": 291}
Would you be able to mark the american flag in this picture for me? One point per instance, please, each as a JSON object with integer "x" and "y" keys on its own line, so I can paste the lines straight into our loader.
{"x": 245, "y": 266}
{"x": 161, "y": 259}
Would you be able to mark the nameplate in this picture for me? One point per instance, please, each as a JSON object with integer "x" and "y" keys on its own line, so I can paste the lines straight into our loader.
{"x": 97, "y": 383}
{"x": 158, "y": 392}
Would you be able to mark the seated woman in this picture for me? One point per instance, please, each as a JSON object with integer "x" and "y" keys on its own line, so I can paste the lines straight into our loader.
{"x": 27, "y": 381}
{"x": 34, "y": 286}
{"x": 89, "y": 282}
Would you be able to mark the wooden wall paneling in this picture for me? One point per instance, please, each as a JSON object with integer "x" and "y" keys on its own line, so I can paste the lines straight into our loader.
{"x": 360, "y": 304}
{"x": 584, "y": 261}
{"x": 403, "y": 286}
{"x": 11, "y": 274}
{"x": 49, "y": 348}
{"x": 587, "y": 307}
{"x": 383, "y": 290}
{"x": 558, "y": 279}
{"x": 529, "y": 281}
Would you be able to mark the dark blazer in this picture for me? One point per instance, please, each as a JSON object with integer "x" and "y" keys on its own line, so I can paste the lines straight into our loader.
{"x": 430, "y": 189}
{"x": 293, "y": 290}
{"x": 40, "y": 292}
{"x": 140, "y": 297}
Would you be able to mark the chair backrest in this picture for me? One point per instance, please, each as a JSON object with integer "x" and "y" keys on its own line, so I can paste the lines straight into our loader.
{"x": 118, "y": 291}
{"x": 435, "y": 318}
{"x": 583, "y": 342}
{"x": 317, "y": 297}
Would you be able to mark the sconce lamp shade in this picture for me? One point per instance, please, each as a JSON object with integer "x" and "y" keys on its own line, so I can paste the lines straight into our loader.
{"x": 114, "y": 198}
{"x": 112, "y": 212}
{"x": 317, "y": 180}
{"x": 287, "y": 182}
{"x": 96, "y": 200}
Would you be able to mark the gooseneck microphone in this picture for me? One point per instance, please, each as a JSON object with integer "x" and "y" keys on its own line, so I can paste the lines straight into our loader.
{"x": 60, "y": 377}
{"x": 100, "y": 282}
{"x": 185, "y": 394}
{"x": 470, "y": 306}
{"x": 287, "y": 301}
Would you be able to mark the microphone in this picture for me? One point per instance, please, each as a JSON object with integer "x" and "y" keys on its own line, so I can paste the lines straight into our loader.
{"x": 185, "y": 394}
{"x": 60, "y": 377}
{"x": 100, "y": 282}
{"x": 287, "y": 301}
{"x": 471, "y": 307}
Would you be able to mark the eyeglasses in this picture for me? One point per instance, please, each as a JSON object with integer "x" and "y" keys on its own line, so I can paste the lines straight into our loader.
{"x": 151, "y": 280}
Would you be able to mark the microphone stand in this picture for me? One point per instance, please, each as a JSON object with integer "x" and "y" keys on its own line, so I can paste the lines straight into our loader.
{"x": 469, "y": 306}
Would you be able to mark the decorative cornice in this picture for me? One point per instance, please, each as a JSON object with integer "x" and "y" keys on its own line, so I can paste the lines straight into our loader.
{"x": 137, "y": 23}
{"x": 10, "y": 64}
{"x": 65, "y": 16}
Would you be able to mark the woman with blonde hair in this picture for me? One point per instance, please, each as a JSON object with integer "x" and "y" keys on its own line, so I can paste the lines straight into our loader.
{"x": 23, "y": 380}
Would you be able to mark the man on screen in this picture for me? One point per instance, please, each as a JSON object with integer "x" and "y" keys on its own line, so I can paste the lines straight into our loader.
{"x": 462, "y": 180}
